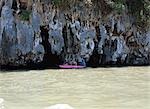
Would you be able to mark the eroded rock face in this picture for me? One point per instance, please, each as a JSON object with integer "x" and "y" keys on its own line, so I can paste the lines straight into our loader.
{"x": 8, "y": 35}
{"x": 87, "y": 36}
{"x": 56, "y": 37}
{"x": 17, "y": 40}
{"x": 121, "y": 50}
{"x": 72, "y": 35}
{"x": 103, "y": 37}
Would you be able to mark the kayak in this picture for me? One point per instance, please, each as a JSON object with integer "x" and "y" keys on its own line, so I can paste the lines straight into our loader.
{"x": 71, "y": 66}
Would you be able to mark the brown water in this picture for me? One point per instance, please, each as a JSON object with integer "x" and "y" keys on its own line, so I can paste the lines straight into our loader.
{"x": 102, "y": 88}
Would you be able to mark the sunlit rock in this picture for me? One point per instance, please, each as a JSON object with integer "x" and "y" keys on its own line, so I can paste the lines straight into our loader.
{"x": 38, "y": 52}
{"x": 77, "y": 35}
{"x": 120, "y": 26}
{"x": 8, "y": 23}
{"x": 8, "y": 35}
{"x": 36, "y": 19}
{"x": 1, "y": 4}
{"x": 25, "y": 36}
{"x": 55, "y": 37}
{"x": 87, "y": 36}
{"x": 28, "y": 47}
{"x": 9, "y": 3}
{"x": 121, "y": 51}
{"x": 48, "y": 15}
{"x": 103, "y": 36}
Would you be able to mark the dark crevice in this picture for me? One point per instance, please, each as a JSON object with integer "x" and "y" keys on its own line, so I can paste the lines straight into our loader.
{"x": 14, "y": 6}
{"x": 23, "y": 5}
{"x": 65, "y": 37}
{"x": 94, "y": 59}
{"x": 50, "y": 60}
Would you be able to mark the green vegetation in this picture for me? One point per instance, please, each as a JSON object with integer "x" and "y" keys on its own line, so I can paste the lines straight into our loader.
{"x": 119, "y": 6}
{"x": 139, "y": 9}
{"x": 57, "y": 2}
{"x": 62, "y": 2}
{"x": 25, "y": 15}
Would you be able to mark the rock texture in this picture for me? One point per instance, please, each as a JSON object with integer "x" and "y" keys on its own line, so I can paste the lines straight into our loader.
{"x": 80, "y": 35}
{"x": 19, "y": 40}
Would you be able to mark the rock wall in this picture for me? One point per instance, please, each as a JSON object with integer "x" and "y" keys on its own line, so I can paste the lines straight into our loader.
{"x": 78, "y": 36}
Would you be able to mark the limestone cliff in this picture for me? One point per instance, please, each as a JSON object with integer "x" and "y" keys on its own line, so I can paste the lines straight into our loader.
{"x": 76, "y": 31}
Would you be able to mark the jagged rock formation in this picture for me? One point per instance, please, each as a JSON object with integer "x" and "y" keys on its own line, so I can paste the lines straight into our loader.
{"x": 76, "y": 35}
{"x": 19, "y": 40}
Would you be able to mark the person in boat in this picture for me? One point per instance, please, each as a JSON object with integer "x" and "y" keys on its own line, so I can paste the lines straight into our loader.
{"x": 70, "y": 60}
{"x": 74, "y": 63}
{"x": 75, "y": 60}
{"x": 81, "y": 62}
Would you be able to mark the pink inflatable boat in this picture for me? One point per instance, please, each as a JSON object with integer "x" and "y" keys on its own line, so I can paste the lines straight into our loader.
{"x": 71, "y": 66}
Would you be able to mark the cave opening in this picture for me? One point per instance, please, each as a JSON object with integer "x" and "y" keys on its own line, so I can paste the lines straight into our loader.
{"x": 95, "y": 58}
{"x": 50, "y": 60}
{"x": 14, "y": 5}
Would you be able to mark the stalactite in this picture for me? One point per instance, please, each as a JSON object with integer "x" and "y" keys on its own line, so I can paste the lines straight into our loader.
{"x": 72, "y": 35}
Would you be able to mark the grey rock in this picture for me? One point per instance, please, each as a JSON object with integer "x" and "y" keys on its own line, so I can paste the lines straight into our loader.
{"x": 122, "y": 50}
{"x": 87, "y": 42}
{"x": 103, "y": 36}
{"x": 71, "y": 35}
{"x": 56, "y": 38}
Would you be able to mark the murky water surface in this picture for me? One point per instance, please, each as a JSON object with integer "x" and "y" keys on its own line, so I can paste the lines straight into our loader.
{"x": 102, "y": 88}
